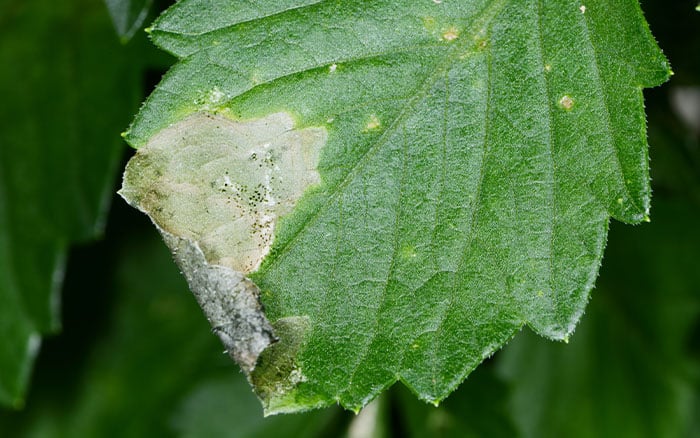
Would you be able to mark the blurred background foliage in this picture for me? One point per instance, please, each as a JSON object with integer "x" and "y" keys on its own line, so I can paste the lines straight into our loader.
{"x": 129, "y": 352}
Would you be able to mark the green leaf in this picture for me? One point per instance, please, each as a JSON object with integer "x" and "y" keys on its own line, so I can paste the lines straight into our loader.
{"x": 631, "y": 369}
{"x": 459, "y": 162}
{"x": 59, "y": 149}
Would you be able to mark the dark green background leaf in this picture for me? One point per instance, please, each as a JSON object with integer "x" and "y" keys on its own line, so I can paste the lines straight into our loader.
{"x": 67, "y": 88}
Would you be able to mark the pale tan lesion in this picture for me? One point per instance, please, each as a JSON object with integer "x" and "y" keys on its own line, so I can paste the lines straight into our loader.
{"x": 223, "y": 183}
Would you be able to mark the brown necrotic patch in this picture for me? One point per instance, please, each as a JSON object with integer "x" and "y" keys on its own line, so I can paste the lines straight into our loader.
{"x": 215, "y": 188}
{"x": 224, "y": 183}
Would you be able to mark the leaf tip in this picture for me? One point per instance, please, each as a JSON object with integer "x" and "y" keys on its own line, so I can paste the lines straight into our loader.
{"x": 230, "y": 301}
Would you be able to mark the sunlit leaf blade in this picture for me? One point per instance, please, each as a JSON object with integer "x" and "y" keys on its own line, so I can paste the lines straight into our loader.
{"x": 476, "y": 151}
{"x": 59, "y": 148}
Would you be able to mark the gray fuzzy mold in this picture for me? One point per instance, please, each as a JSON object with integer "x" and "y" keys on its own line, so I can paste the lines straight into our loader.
{"x": 230, "y": 301}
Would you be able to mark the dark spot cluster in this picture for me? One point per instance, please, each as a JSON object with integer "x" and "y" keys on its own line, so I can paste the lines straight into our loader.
{"x": 265, "y": 160}
{"x": 269, "y": 160}
{"x": 260, "y": 229}
{"x": 258, "y": 195}
{"x": 243, "y": 196}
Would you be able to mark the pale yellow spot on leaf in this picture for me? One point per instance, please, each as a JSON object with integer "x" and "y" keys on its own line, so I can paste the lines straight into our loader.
{"x": 429, "y": 23}
{"x": 566, "y": 102}
{"x": 373, "y": 123}
{"x": 408, "y": 252}
{"x": 450, "y": 34}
